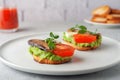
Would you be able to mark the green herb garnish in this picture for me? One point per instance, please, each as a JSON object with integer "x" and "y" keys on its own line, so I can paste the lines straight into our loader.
{"x": 81, "y": 29}
{"x": 51, "y": 41}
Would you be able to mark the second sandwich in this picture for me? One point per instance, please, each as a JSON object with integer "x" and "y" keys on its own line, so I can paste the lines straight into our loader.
{"x": 82, "y": 39}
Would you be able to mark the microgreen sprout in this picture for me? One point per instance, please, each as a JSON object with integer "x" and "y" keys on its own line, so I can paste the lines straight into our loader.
{"x": 51, "y": 41}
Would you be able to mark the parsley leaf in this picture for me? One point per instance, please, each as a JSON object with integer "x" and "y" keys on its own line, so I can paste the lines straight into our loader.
{"x": 51, "y": 44}
{"x": 51, "y": 41}
{"x": 53, "y": 36}
{"x": 81, "y": 29}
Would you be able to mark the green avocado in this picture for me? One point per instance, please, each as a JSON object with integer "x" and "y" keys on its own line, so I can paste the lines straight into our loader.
{"x": 71, "y": 40}
{"x": 46, "y": 55}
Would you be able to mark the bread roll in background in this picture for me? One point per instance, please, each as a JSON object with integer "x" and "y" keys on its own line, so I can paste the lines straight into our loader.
{"x": 115, "y": 11}
{"x": 113, "y": 21}
{"x": 113, "y": 16}
{"x": 99, "y": 19}
{"x": 106, "y": 14}
{"x": 102, "y": 11}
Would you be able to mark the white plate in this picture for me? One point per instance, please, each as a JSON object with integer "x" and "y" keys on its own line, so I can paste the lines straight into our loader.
{"x": 14, "y": 53}
{"x": 101, "y": 24}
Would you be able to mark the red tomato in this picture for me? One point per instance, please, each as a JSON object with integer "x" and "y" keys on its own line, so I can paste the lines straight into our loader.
{"x": 63, "y": 50}
{"x": 84, "y": 38}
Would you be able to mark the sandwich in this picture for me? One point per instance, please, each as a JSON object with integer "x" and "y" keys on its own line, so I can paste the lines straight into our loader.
{"x": 82, "y": 39}
{"x": 50, "y": 51}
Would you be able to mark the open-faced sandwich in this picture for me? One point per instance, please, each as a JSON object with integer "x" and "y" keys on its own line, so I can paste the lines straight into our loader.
{"x": 82, "y": 39}
{"x": 49, "y": 51}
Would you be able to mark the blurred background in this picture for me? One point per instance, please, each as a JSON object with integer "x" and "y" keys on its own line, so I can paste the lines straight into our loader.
{"x": 56, "y": 11}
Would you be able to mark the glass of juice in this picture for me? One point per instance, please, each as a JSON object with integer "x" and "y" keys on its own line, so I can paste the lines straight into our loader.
{"x": 8, "y": 19}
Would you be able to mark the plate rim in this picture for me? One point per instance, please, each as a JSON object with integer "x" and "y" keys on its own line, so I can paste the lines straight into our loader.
{"x": 17, "y": 67}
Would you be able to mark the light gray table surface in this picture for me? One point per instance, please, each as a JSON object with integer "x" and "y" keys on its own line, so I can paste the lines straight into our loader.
{"x": 7, "y": 73}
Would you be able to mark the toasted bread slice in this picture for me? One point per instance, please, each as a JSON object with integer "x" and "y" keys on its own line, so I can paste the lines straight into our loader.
{"x": 99, "y": 19}
{"x": 102, "y": 11}
{"x": 113, "y": 21}
{"x": 47, "y": 61}
{"x": 115, "y": 11}
{"x": 113, "y": 16}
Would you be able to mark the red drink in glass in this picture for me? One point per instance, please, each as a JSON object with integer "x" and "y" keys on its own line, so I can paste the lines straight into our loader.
{"x": 8, "y": 19}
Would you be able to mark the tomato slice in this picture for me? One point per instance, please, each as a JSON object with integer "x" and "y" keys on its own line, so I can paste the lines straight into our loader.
{"x": 84, "y": 38}
{"x": 63, "y": 50}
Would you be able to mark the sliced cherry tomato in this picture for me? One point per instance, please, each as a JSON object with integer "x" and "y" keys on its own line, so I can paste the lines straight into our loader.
{"x": 63, "y": 50}
{"x": 84, "y": 38}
